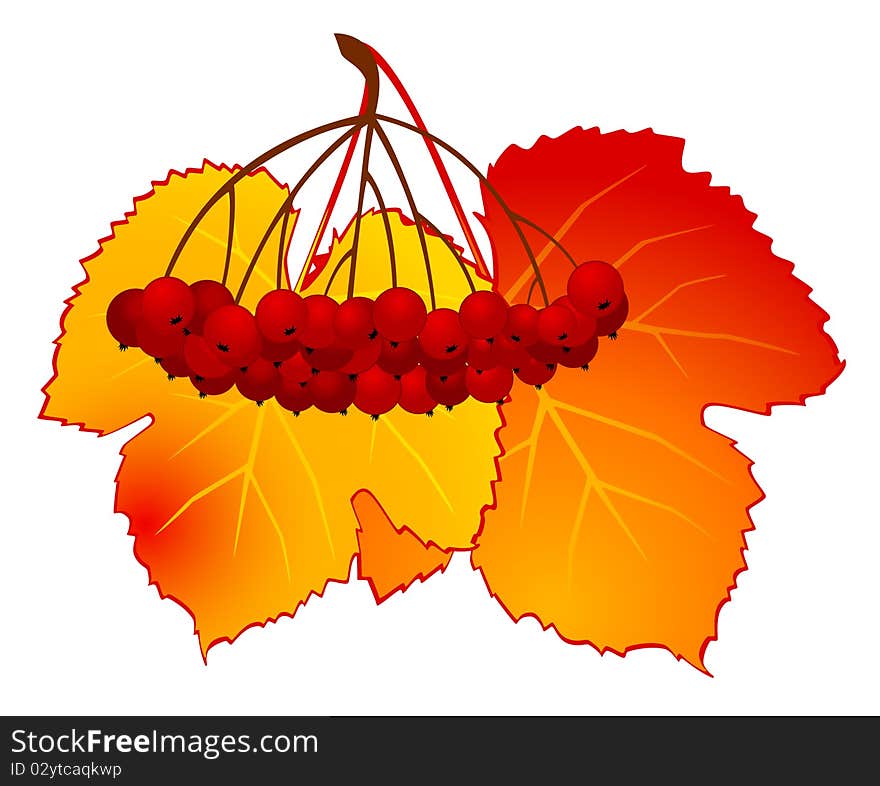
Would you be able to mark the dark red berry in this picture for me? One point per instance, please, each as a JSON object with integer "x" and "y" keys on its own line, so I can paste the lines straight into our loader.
{"x": 294, "y": 396}
{"x": 580, "y": 355}
{"x": 318, "y": 331}
{"x": 209, "y": 296}
{"x": 555, "y": 324}
{"x": 414, "y": 395}
{"x": 331, "y": 358}
{"x": 123, "y": 315}
{"x": 159, "y": 344}
{"x": 259, "y": 381}
{"x": 215, "y": 386}
{"x": 353, "y": 323}
{"x": 522, "y": 324}
{"x": 612, "y": 320}
{"x": 482, "y": 354}
{"x": 534, "y": 372}
{"x": 448, "y": 390}
{"x": 585, "y": 324}
{"x": 332, "y": 391}
{"x": 377, "y": 392}
{"x": 399, "y": 357}
{"x": 176, "y": 366}
{"x": 363, "y": 358}
{"x": 278, "y": 351}
{"x": 490, "y": 385}
{"x": 296, "y": 369}
{"x": 232, "y": 333}
{"x": 443, "y": 366}
{"x": 443, "y": 336}
{"x": 202, "y": 359}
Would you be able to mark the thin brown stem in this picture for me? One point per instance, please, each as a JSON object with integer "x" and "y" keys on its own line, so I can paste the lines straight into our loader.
{"x": 388, "y": 236}
{"x": 484, "y": 181}
{"x": 549, "y": 237}
{"x": 247, "y": 169}
{"x": 339, "y": 264}
{"x": 280, "y": 267}
{"x": 395, "y": 162}
{"x": 286, "y": 205}
{"x": 230, "y": 238}
{"x": 461, "y": 263}
{"x": 368, "y": 141}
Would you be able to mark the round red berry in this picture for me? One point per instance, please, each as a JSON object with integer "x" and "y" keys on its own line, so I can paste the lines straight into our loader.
{"x": 594, "y": 287}
{"x": 232, "y": 333}
{"x": 443, "y": 336}
{"x": 281, "y": 316}
{"x": 399, "y": 314}
{"x": 377, "y": 392}
{"x": 168, "y": 305}
{"x": 483, "y": 314}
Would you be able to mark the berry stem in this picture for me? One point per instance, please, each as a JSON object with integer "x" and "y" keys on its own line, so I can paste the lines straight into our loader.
{"x": 546, "y": 234}
{"x": 286, "y": 205}
{"x": 388, "y": 236}
{"x": 339, "y": 264}
{"x": 395, "y": 162}
{"x": 489, "y": 187}
{"x": 230, "y": 238}
{"x": 452, "y": 249}
{"x": 280, "y": 267}
{"x": 249, "y": 168}
{"x": 368, "y": 141}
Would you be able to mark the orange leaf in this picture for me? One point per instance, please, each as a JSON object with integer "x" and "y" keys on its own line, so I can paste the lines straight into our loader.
{"x": 392, "y": 558}
{"x": 240, "y": 513}
{"x": 620, "y": 518}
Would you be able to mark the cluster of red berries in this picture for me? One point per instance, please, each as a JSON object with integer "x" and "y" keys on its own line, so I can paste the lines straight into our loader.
{"x": 313, "y": 351}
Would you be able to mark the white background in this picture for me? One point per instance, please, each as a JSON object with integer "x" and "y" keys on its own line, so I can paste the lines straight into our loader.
{"x": 100, "y": 99}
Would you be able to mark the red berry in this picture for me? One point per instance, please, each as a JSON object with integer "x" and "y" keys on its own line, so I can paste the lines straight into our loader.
{"x": 510, "y": 353}
{"x": 277, "y": 351}
{"x": 202, "y": 359}
{"x": 377, "y": 392}
{"x": 595, "y": 287}
{"x": 612, "y": 319}
{"x": 547, "y": 353}
{"x": 534, "y": 372}
{"x": 489, "y": 386}
{"x": 399, "y": 357}
{"x": 232, "y": 333}
{"x": 580, "y": 355}
{"x": 168, "y": 305}
{"x": 209, "y": 296}
{"x": 296, "y": 370}
{"x": 482, "y": 354}
{"x": 176, "y": 366}
{"x": 443, "y": 336}
{"x": 483, "y": 314}
{"x": 363, "y": 358}
{"x": 159, "y": 345}
{"x": 318, "y": 330}
{"x": 332, "y": 391}
{"x": 294, "y": 396}
{"x": 522, "y": 324}
{"x": 555, "y": 324}
{"x": 442, "y": 366}
{"x": 123, "y": 315}
{"x": 414, "y": 395}
{"x": 330, "y": 358}
{"x": 585, "y": 324}
{"x": 353, "y": 323}
{"x": 281, "y": 316}
{"x": 215, "y": 386}
{"x": 259, "y": 381}
{"x": 447, "y": 389}
{"x": 399, "y": 314}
